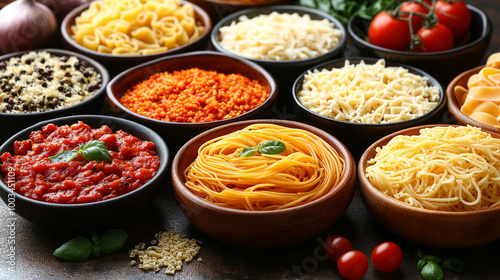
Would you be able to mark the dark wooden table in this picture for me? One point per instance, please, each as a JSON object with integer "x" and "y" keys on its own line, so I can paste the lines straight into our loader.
{"x": 30, "y": 256}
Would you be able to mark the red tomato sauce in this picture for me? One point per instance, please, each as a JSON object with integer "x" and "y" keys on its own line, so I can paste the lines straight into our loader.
{"x": 133, "y": 163}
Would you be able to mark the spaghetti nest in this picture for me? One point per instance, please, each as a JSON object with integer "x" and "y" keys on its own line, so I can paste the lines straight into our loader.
{"x": 308, "y": 169}
{"x": 443, "y": 168}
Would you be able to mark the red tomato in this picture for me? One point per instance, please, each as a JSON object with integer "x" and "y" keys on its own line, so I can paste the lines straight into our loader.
{"x": 387, "y": 257}
{"x": 335, "y": 246}
{"x": 416, "y": 20}
{"x": 388, "y": 32}
{"x": 455, "y": 15}
{"x": 352, "y": 265}
{"x": 436, "y": 38}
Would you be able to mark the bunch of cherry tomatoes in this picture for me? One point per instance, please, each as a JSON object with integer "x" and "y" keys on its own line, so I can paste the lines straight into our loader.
{"x": 421, "y": 26}
{"x": 353, "y": 264}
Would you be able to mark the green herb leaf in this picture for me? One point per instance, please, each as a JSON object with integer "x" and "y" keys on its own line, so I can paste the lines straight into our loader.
{"x": 65, "y": 156}
{"x": 432, "y": 271}
{"x": 95, "y": 150}
{"x": 454, "y": 264}
{"x": 420, "y": 264}
{"x": 112, "y": 240}
{"x": 271, "y": 147}
{"x": 96, "y": 246}
{"x": 247, "y": 152}
{"x": 433, "y": 259}
{"x": 77, "y": 249}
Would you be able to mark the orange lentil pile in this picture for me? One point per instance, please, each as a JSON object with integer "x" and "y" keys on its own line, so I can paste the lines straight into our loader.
{"x": 194, "y": 96}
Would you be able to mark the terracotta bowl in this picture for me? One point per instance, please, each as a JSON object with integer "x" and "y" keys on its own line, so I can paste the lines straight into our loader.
{"x": 12, "y": 123}
{"x": 444, "y": 65}
{"x": 175, "y": 133}
{"x": 118, "y": 63}
{"x": 285, "y": 71}
{"x": 454, "y": 106}
{"x": 115, "y": 211}
{"x": 426, "y": 227}
{"x": 262, "y": 229}
{"x": 358, "y": 136}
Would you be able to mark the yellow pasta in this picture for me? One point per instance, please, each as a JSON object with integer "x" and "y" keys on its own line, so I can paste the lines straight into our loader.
{"x": 136, "y": 27}
{"x": 308, "y": 169}
{"x": 443, "y": 168}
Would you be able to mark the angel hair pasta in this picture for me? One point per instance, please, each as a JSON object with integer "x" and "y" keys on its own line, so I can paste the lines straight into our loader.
{"x": 136, "y": 27}
{"x": 308, "y": 169}
{"x": 443, "y": 168}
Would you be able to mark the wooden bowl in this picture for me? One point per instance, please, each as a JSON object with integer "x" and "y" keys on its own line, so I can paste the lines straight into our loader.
{"x": 118, "y": 63}
{"x": 263, "y": 229}
{"x": 427, "y": 227}
{"x": 454, "y": 106}
{"x": 176, "y": 133}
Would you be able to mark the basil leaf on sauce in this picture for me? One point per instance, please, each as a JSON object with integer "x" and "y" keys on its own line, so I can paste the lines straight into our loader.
{"x": 65, "y": 156}
{"x": 92, "y": 150}
{"x": 266, "y": 148}
{"x": 77, "y": 249}
{"x": 112, "y": 240}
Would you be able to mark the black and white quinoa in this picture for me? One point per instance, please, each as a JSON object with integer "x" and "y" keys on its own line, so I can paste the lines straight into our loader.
{"x": 40, "y": 81}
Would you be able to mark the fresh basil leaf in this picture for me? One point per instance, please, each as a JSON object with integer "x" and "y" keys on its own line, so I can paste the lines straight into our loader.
{"x": 271, "y": 147}
{"x": 420, "y": 254}
{"x": 454, "y": 264}
{"x": 433, "y": 259}
{"x": 77, "y": 249}
{"x": 432, "y": 271}
{"x": 95, "y": 150}
{"x": 65, "y": 156}
{"x": 112, "y": 240}
{"x": 247, "y": 152}
{"x": 420, "y": 264}
{"x": 96, "y": 245}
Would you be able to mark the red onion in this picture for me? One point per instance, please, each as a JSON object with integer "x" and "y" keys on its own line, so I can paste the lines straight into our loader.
{"x": 26, "y": 25}
{"x": 61, "y": 8}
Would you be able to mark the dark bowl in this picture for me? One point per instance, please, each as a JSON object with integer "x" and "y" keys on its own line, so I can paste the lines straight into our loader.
{"x": 358, "y": 136}
{"x": 444, "y": 65}
{"x": 285, "y": 71}
{"x": 176, "y": 133}
{"x": 270, "y": 228}
{"x": 454, "y": 106}
{"x": 433, "y": 228}
{"x": 114, "y": 211}
{"x": 12, "y": 123}
{"x": 118, "y": 63}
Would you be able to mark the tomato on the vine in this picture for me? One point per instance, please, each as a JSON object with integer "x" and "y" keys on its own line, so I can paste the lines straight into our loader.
{"x": 388, "y": 32}
{"x": 434, "y": 39}
{"x": 352, "y": 265}
{"x": 413, "y": 7}
{"x": 387, "y": 256}
{"x": 335, "y": 246}
{"x": 455, "y": 15}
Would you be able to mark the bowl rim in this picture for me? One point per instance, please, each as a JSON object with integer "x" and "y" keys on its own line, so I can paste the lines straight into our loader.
{"x": 486, "y": 30}
{"x": 59, "y": 52}
{"x": 394, "y": 203}
{"x": 214, "y": 34}
{"x": 191, "y": 55}
{"x": 452, "y": 102}
{"x": 342, "y": 150}
{"x": 160, "y": 145}
{"x": 330, "y": 65}
{"x": 69, "y": 18}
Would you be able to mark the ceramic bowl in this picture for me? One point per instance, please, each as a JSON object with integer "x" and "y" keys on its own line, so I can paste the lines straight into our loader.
{"x": 358, "y": 136}
{"x": 285, "y": 71}
{"x": 176, "y": 133}
{"x": 219, "y": 9}
{"x": 118, "y": 63}
{"x": 263, "y": 229}
{"x": 12, "y": 123}
{"x": 444, "y": 65}
{"x": 106, "y": 213}
{"x": 454, "y": 106}
{"x": 426, "y": 227}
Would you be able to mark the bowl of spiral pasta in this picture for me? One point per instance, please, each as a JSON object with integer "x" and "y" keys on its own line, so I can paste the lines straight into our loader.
{"x": 125, "y": 33}
{"x": 359, "y": 100}
{"x": 436, "y": 185}
{"x": 263, "y": 183}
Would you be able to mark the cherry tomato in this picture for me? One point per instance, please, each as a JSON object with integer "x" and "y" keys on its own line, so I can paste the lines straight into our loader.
{"x": 335, "y": 246}
{"x": 455, "y": 15}
{"x": 352, "y": 265}
{"x": 436, "y": 38}
{"x": 416, "y": 20}
{"x": 388, "y": 32}
{"x": 387, "y": 257}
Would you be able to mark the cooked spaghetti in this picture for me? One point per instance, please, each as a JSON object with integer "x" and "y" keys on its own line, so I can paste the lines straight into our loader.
{"x": 443, "y": 168}
{"x": 308, "y": 169}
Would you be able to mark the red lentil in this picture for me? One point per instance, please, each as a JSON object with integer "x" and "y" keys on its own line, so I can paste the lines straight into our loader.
{"x": 194, "y": 96}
